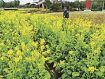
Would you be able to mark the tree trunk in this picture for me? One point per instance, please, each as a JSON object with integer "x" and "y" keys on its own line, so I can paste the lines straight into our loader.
{"x": 103, "y": 5}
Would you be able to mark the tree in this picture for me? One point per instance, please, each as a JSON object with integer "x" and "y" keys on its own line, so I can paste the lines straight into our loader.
{"x": 77, "y": 3}
{"x": 56, "y": 7}
{"x": 1, "y": 3}
{"x": 98, "y": 4}
{"x": 48, "y": 3}
{"x": 16, "y": 3}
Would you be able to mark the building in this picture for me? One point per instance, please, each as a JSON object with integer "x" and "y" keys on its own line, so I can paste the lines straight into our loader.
{"x": 38, "y": 3}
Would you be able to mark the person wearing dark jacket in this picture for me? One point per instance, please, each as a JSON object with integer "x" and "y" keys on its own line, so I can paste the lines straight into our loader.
{"x": 66, "y": 13}
{"x": 65, "y": 18}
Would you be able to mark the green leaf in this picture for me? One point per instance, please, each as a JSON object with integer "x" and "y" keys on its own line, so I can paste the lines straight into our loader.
{"x": 99, "y": 74}
{"x": 75, "y": 74}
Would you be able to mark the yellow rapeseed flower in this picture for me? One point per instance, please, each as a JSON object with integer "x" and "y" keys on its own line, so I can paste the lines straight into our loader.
{"x": 42, "y": 47}
{"x": 62, "y": 62}
{"x": 23, "y": 46}
{"x": 10, "y": 52}
{"x": 35, "y": 44}
{"x": 18, "y": 53}
{"x": 17, "y": 59}
{"x": 91, "y": 69}
{"x": 42, "y": 41}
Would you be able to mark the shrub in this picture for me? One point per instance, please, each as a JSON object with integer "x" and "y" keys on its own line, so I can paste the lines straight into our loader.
{"x": 44, "y": 46}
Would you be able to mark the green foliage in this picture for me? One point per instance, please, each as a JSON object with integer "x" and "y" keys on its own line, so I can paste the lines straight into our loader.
{"x": 56, "y": 7}
{"x": 1, "y": 3}
{"x": 44, "y": 47}
{"x": 10, "y": 4}
{"x": 76, "y": 50}
{"x": 16, "y": 3}
{"x": 48, "y": 3}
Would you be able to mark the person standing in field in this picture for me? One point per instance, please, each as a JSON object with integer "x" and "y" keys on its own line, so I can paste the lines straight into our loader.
{"x": 65, "y": 17}
{"x": 66, "y": 13}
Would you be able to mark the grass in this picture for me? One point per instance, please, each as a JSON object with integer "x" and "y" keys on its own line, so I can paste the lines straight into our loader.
{"x": 95, "y": 17}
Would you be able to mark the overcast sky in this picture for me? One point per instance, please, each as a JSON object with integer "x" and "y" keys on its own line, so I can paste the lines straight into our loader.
{"x": 27, "y": 1}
